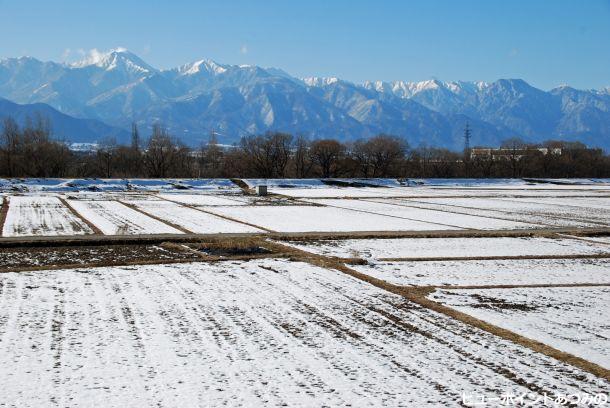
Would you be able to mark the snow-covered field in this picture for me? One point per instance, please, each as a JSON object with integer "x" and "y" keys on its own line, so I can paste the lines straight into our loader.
{"x": 41, "y": 215}
{"x": 338, "y": 192}
{"x": 204, "y": 199}
{"x": 451, "y": 247}
{"x": 441, "y": 218}
{"x": 574, "y": 320}
{"x": 311, "y": 206}
{"x": 114, "y": 218}
{"x": 320, "y": 219}
{"x": 490, "y": 272}
{"x": 165, "y": 331}
{"x": 526, "y": 207}
{"x": 191, "y": 219}
{"x": 538, "y": 219}
{"x": 267, "y": 332}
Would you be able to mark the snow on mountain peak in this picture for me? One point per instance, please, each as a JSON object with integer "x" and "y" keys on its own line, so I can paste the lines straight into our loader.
{"x": 202, "y": 65}
{"x": 113, "y": 59}
{"x": 320, "y": 81}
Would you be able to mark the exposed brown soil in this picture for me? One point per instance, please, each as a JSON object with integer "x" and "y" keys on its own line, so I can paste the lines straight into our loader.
{"x": 22, "y": 259}
{"x": 418, "y": 295}
{"x": 33, "y": 241}
{"x": 3, "y": 213}
{"x": 252, "y": 246}
{"x": 242, "y": 184}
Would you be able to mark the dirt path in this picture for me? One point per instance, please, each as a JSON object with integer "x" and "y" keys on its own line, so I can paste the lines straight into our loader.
{"x": 418, "y": 295}
{"x": 3, "y": 213}
{"x": 74, "y": 240}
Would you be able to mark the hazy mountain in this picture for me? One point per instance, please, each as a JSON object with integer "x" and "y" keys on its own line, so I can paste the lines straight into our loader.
{"x": 64, "y": 127}
{"x": 118, "y": 87}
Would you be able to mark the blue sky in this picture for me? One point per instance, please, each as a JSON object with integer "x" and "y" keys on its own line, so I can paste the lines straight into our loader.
{"x": 545, "y": 42}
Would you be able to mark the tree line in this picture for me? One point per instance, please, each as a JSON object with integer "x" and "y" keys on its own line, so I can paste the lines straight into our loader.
{"x": 31, "y": 151}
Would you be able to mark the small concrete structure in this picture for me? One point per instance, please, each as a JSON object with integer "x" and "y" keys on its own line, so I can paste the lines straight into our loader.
{"x": 261, "y": 190}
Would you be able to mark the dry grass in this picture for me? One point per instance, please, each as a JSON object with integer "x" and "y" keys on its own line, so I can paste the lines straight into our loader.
{"x": 244, "y": 187}
{"x": 3, "y": 213}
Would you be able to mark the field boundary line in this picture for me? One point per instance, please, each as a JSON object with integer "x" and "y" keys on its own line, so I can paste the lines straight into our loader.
{"x": 3, "y": 213}
{"x": 499, "y": 257}
{"x": 418, "y": 295}
{"x": 512, "y": 199}
{"x": 515, "y": 213}
{"x": 398, "y": 217}
{"x": 91, "y": 225}
{"x": 154, "y": 217}
{"x": 404, "y": 204}
{"x": 602, "y": 243}
{"x": 517, "y": 286}
{"x": 217, "y": 215}
{"x": 86, "y": 240}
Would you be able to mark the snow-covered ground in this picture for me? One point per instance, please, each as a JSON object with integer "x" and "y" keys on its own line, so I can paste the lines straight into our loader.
{"x": 602, "y": 203}
{"x": 109, "y": 185}
{"x": 574, "y": 320}
{"x": 399, "y": 208}
{"x": 490, "y": 272}
{"x": 285, "y": 183}
{"x": 114, "y": 218}
{"x": 488, "y": 211}
{"x": 41, "y": 215}
{"x": 267, "y": 332}
{"x": 320, "y": 219}
{"x": 450, "y": 247}
{"x": 338, "y": 192}
{"x": 204, "y": 199}
{"x": 442, "y": 218}
{"x": 191, "y": 219}
{"x": 527, "y": 206}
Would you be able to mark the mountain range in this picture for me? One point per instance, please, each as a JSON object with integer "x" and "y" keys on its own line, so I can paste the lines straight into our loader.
{"x": 103, "y": 94}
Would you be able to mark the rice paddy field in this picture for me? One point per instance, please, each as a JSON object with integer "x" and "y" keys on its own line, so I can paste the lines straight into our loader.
{"x": 383, "y": 292}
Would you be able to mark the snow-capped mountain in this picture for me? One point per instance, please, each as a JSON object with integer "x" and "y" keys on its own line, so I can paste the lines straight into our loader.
{"x": 118, "y": 87}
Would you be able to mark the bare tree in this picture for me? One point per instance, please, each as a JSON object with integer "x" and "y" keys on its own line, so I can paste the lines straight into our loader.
{"x": 302, "y": 157}
{"x": 159, "y": 152}
{"x": 11, "y": 139}
{"x": 326, "y": 154}
{"x": 384, "y": 152}
{"x": 210, "y": 157}
{"x": 105, "y": 155}
{"x": 268, "y": 154}
{"x": 516, "y": 147}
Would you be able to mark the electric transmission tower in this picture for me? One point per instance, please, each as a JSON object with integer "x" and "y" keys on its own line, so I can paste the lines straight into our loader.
{"x": 467, "y": 135}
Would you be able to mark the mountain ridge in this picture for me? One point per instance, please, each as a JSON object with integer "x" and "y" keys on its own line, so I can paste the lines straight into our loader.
{"x": 118, "y": 87}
